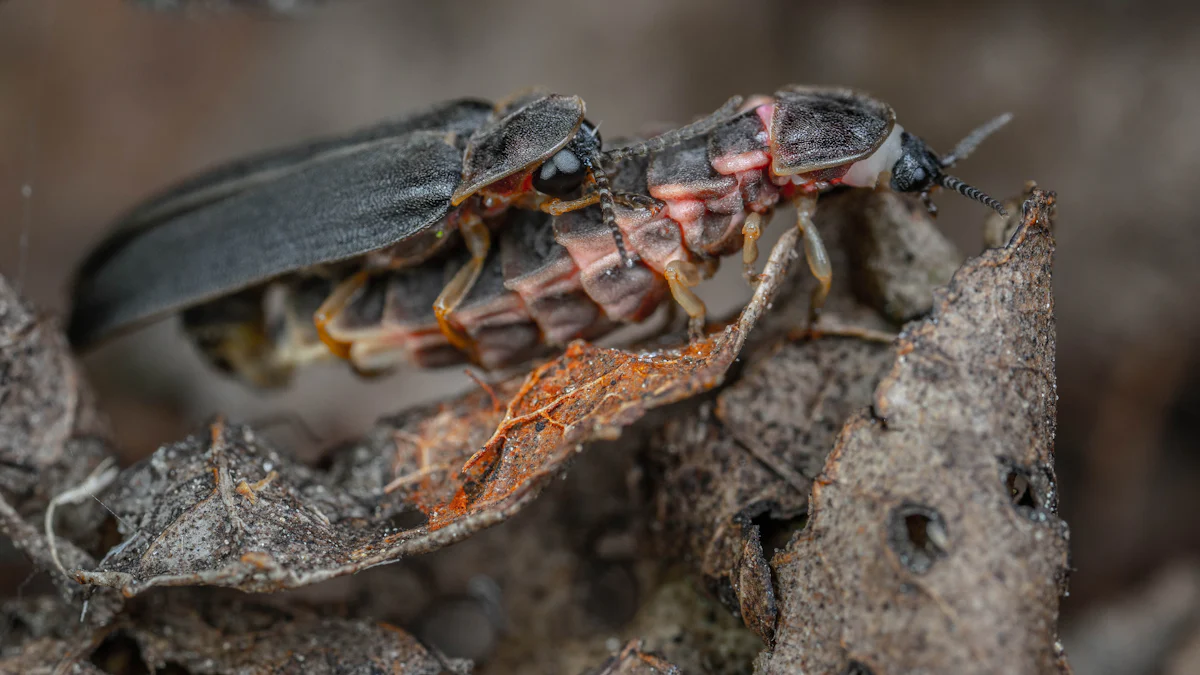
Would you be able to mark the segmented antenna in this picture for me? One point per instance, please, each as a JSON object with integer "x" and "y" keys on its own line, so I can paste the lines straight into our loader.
{"x": 607, "y": 212}
{"x": 969, "y": 192}
{"x": 967, "y": 145}
{"x": 676, "y": 136}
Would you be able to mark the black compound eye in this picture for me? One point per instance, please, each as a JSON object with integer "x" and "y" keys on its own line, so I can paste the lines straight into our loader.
{"x": 560, "y": 175}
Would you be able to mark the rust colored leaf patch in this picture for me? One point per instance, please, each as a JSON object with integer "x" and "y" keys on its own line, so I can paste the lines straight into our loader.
{"x": 591, "y": 393}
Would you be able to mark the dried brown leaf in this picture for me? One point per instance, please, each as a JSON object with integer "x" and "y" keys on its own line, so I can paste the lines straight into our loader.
{"x": 218, "y": 635}
{"x": 215, "y": 633}
{"x": 50, "y": 434}
{"x": 933, "y": 543}
{"x": 729, "y": 474}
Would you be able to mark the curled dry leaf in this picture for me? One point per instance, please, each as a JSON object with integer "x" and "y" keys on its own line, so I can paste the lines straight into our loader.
{"x": 732, "y": 478}
{"x": 50, "y": 434}
{"x": 933, "y": 542}
{"x": 226, "y": 509}
{"x": 51, "y": 439}
{"x": 729, "y": 471}
{"x": 219, "y": 633}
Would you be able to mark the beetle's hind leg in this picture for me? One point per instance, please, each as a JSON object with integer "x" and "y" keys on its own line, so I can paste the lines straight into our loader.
{"x": 816, "y": 256}
{"x": 478, "y": 240}
{"x": 681, "y": 277}
{"x": 557, "y": 207}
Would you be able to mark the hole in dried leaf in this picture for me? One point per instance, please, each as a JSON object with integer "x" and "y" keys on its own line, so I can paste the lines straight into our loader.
{"x": 119, "y": 654}
{"x": 409, "y": 519}
{"x": 1031, "y": 494}
{"x": 776, "y": 532}
{"x": 1020, "y": 490}
{"x": 917, "y": 535}
{"x": 857, "y": 668}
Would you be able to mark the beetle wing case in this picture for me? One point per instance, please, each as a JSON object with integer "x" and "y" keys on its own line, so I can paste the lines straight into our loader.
{"x": 345, "y": 205}
{"x": 521, "y": 139}
{"x": 816, "y": 128}
{"x": 460, "y": 116}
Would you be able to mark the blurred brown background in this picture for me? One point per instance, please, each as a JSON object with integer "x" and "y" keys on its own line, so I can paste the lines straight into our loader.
{"x": 103, "y": 102}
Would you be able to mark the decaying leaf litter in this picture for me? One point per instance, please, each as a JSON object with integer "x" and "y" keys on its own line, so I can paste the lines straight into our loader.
{"x": 745, "y": 463}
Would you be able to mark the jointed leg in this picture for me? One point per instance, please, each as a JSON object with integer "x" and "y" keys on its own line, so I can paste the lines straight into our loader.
{"x": 815, "y": 254}
{"x": 333, "y": 305}
{"x": 479, "y": 240}
{"x": 751, "y": 232}
{"x": 681, "y": 277}
{"x": 557, "y": 207}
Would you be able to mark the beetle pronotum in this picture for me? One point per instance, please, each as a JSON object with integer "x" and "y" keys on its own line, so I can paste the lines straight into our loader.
{"x": 385, "y": 199}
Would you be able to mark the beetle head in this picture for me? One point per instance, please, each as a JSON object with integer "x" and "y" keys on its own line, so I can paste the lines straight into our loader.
{"x": 563, "y": 173}
{"x": 919, "y": 169}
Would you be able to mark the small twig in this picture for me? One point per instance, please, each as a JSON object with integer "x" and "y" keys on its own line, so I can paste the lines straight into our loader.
{"x": 100, "y": 477}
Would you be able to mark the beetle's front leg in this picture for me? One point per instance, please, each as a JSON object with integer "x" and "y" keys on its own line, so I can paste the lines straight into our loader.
{"x": 557, "y": 207}
{"x": 478, "y": 240}
{"x": 815, "y": 254}
{"x": 681, "y": 277}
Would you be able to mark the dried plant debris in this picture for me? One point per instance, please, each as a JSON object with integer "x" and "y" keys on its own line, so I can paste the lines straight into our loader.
{"x": 95, "y": 607}
{"x": 51, "y": 439}
{"x": 933, "y": 542}
{"x": 679, "y": 622}
{"x": 50, "y": 434}
{"x": 732, "y": 476}
{"x": 50, "y": 657}
{"x": 633, "y": 661}
{"x": 185, "y": 631}
{"x": 745, "y": 463}
{"x": 207, "y": 633}
{"x": 43, "y": 635}
{"x": 226, "y": 509}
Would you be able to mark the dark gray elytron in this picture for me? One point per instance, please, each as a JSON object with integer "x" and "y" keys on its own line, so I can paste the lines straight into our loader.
{"x": 377, "y": 246}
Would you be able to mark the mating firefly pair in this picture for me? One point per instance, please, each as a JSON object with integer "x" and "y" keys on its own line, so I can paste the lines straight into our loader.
{"x": 349, "y": 245}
